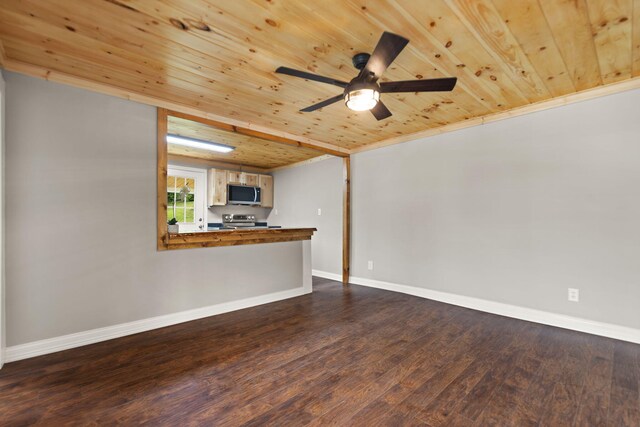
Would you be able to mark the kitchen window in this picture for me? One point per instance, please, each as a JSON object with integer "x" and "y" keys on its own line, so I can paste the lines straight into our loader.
{"x": 186, "y": 197}
{"x": 180, "y": 198}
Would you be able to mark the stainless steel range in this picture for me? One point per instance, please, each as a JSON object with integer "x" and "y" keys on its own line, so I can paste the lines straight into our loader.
{"x": 234, "y": 221}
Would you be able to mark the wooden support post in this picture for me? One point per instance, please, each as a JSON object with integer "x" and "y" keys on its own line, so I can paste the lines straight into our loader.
{"x": 3, "y": 56}
{"x": 162, "y": 179}
{"x": 346, "y": 219}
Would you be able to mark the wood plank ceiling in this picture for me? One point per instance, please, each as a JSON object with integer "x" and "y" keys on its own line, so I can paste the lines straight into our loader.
{"x": 220, "y": 57}
{"x": 249, "y": 150}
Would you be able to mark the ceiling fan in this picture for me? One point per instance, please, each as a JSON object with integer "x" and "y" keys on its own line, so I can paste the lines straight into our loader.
{"x": 363, "y": 92}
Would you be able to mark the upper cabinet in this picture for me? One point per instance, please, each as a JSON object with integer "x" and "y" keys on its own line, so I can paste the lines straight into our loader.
{"x": 250, "y": 179}
{"x": 218, "y": 179}
{"x": 242, "y": 178}
{"x": 217, "y": 187}
{"x": 234, "y": 177}
{"x": 266, "y": 191}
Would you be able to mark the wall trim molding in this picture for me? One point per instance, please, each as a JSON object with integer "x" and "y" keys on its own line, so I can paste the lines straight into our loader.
{"x": 517, "y": 312}
{"x": 65, "y": 342}
{"x": 326, "y": 275}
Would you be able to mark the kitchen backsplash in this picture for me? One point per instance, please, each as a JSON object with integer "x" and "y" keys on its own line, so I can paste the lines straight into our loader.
{"x": 214, "y": 213}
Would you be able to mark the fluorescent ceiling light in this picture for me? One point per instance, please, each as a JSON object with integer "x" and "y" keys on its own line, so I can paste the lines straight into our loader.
{"x": 198, "y": 143}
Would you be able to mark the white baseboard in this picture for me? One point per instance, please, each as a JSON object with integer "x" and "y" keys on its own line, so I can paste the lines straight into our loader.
{"x": 327, "y": 275}
{"x": 523, "y": 313}
{"x": 51, "y": 345}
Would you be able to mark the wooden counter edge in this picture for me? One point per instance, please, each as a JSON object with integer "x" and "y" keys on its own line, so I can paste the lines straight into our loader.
{"x": 208, "y": 239}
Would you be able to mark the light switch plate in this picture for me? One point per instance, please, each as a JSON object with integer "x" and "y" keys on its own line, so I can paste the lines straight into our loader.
{"x": 319, "y": 211}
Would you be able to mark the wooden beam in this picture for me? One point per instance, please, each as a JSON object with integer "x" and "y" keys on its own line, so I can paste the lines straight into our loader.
{"x": 247, "y": 128}
{"x": 256, "y": 134}
{"x": 584, "y": 95}
{"x": 209, "y": 122}
{"x": 289, "y": 141}
{"x": 207, "y": 164}
{"x": 3, "y": 56}
{"x": 346, "y": 219}
{"x": 636, "y": 39}
{"x": 162, "y": 180}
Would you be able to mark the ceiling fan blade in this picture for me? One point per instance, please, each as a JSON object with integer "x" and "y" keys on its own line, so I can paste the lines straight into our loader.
{"x": 310, "y": 76}
{"x": 380, "y": 111}
{"x": 389, "y": 47}
{"x": 324, "y": 103}
{"x": 430, "y": 85}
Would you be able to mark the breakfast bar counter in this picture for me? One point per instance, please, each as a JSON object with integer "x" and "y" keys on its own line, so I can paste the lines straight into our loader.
{"x": 236, "y": 237}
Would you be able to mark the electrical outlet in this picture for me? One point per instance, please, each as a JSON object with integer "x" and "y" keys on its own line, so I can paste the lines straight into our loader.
{"x": 319, "y": 211}
{"x": 276, "y": 211}
{"x": 370, "y": 265}
{"x": 574, "y": 295}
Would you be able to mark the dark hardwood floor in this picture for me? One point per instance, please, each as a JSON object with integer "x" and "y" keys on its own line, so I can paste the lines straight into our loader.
{"x": 342, "y": 356}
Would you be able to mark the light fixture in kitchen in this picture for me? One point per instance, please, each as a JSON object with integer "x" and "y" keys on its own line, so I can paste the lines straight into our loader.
{"x": 198, "y": 143}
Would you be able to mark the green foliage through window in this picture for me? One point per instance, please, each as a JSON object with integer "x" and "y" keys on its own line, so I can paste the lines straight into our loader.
{"x": 180, "y": 201}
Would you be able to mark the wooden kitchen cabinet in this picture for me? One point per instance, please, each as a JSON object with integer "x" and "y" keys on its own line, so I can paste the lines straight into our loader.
{"x": 217, "y": 187}
{"x": 234, "y": 177}
{"x": 218, "y": 179}
{"x": 266, "y": 190}
{"x": 242, "y": 178}
{"x": 250, "y": 179}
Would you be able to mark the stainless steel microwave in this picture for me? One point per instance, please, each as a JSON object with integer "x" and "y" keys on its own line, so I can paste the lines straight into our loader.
{"x": 243, "y": 195}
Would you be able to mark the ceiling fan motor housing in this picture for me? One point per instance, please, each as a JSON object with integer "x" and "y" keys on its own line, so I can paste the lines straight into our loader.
{"x": 360, "y": 60}
{"x": 359, "y": 84}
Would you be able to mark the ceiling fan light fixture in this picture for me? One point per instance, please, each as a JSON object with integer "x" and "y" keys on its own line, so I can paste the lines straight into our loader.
{"x": 362, "y": 93}
{"x": 362, "y": 99}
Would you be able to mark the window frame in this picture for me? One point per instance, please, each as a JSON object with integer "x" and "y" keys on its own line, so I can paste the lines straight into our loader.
{"x": 203, "y": 196}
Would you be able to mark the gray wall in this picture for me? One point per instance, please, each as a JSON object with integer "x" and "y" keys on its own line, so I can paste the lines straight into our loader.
{"x": 81, "y": 221}
{"x": 298, "y": 193}
{"x": 515, "y": 211}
